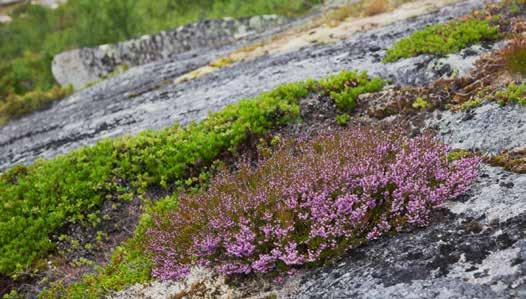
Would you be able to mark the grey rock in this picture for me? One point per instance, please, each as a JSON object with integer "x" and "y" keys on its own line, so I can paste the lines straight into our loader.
{"x": 145, "y": 98}
{"x": 53, "y": 4}
{"x": 9, "y": 2}
{"x": 499, "y": 196}
{"x": 82, "y": 66}
{"x": 5, "y": 19}
{"x": 489, "y": 128}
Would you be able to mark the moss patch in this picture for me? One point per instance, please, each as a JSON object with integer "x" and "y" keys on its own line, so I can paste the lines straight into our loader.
{"x": 443, "y": 39}
{"x": 513, "y": 93}
{"x": 17, "y": 105}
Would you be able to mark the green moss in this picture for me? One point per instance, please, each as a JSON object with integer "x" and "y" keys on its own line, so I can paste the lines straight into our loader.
{"x": 12, "y": 295}
{"x": 468, "y": 105}
{"x": 128, "y": 266}
{"x": 15, "y": 106}
{"x": 39, "y": 199}
{"x": 458, "y": 154}
{"x": 345, "y": 88}
{"x": 514, "y": 93}
{"x": 343, "y": 119}
{"x": 442, "y": 39}
{"x": 421, "y": 104}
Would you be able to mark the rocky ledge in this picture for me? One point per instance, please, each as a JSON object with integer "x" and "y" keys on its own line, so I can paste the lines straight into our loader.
{"x": 83, "y": 66}
{"x": 145, "y": 97}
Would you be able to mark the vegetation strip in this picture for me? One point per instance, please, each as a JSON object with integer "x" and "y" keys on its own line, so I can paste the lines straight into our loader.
{"x": 39, "y": 199}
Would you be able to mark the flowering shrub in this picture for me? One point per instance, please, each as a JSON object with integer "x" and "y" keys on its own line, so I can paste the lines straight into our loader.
{"x": 309, "y": 201}
{"x": 39, "y": 199}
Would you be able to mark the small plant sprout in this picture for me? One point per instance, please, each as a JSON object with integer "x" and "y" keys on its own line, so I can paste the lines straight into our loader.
{"x": 342, "y": 119}
{"x": 421, "y": 104}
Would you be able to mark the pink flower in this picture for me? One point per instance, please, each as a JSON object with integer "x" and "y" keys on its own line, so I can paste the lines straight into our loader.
{"x": 309, "y": 198}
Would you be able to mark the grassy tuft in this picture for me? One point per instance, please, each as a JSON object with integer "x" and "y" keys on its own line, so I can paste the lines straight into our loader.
{"x": 514, "y": 55}
{"x": 376, "y": 7}
{"x": 15, "y": 105}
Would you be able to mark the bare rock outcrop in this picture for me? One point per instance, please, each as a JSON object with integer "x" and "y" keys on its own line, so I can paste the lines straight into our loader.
{"x": 82, "y": 66}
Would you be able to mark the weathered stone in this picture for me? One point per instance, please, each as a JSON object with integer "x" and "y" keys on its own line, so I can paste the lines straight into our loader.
{"x": 10, "y": 2}
{"x": 145, "y": 97}
{"x": 5, "y": 19}
{"x": 489, "y": 128}
{"x": 53, "y": 4}
{"x": 200, "y": 283}
{"x": 82, "y": 66}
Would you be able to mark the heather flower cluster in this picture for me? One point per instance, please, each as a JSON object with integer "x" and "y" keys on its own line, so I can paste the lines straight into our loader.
{"x": 309, "y": 201}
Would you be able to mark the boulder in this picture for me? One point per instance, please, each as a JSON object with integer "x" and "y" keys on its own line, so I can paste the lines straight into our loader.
{"x": 5, "y": 19}
{"x": 9, "y": 2}
{"x": 49, "y": 3}
{"x": 82, "y": 66}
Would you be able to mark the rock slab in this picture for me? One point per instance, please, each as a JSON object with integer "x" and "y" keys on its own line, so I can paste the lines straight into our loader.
{"x": 82, "y": 66}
